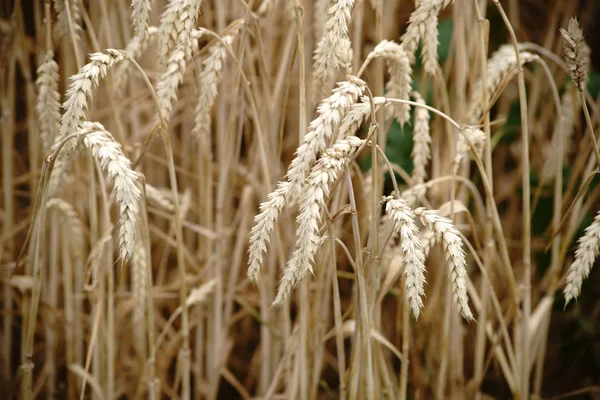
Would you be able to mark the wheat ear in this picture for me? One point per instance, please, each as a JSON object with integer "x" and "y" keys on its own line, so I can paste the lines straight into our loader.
{"x": 74, "y": 222}
{"x": 314, "y": 197}
{"x": 107, "y": 152}
{"x": 475, "y": 136}
{"x": 445, "y": 233}
{"x": 403, "y": 220}
{"x": 321, "y": 129}
{"x": 61, "y": 28}
{"x": 334, "y": 50}
{"x": 400, "y": 71}
{"x": 421, "y": 20}
{"x": 357, "y": 115}
{"x": 502, "y": 62}
{"x": 78, "y": 96}
{"x": 429, "y": 51}
{"x": 175, "y": 31}
{"x": 585, "y": 255}
{"x": 209, "y": 81}
{"x": 139, "y": 281}
{"x": 140, "y": 15}
{"x": 421, "y": 152}
{"x": 564, "y": 127}
{"x": 576, "y": 53}
{"x": 48, "y": 101}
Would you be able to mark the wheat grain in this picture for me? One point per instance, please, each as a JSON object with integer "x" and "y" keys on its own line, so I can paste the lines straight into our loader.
{"x": 585, "y": 255}
{"x": 446, "y": 233}
{"x": 576, "y": 53}
{"x": 413, "y": 257}
{"x": 334, "y": 50}
{"x": 469, "y": 134}
{"x": 208, "y": 80}
{"x": 420, "y": 20}
{"x": 48, "y": 101}
{"x": 314, "y": 197}
{"x": 399, "y": 85}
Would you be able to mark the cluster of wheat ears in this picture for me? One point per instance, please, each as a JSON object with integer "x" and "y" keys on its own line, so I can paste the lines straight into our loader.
{"x": 364, "y": 280}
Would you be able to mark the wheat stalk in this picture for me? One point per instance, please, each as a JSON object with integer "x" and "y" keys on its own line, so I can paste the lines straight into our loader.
{"x": 314, "y": 197}
{"x": 585, "y": 255}
{"x": 48, "y": 101}
{"x": 208, "y": 81}
{"x": 420, "y": 21}
{"x": 445, "y": 233}
{"x": 334, "y": 50}
{"x": 399, "y": 85}
{"x": 403, "y": 220}
{"x": 576, "y": 53}
{"x": 321, "y": 129}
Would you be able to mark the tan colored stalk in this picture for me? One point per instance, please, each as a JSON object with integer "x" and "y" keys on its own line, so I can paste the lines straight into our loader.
{"x": 526, "y": 220}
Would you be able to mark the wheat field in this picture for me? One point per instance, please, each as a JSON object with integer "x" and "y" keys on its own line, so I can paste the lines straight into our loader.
{"x": 299, "y": 199}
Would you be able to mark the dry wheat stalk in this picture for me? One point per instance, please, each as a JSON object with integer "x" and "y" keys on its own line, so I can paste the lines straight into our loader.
{"x": 445, "y": 233}
{"x": 140, "y": 15}
{"x": 61, "y": 28}
{"x": 321, "y": 129}
{"x": 175, "y": 29}
{"x": 399, "y": 85}
{"x": 48, "y": 101}
{"x": 502, "y": 62}
{"x": 576, "y": 53}
{"x": 208, "y": 80}
{"x": 314, "y": 197}
{"x": 475, "y": 136}
{"x": 419, "y": 23}
{"x": 76, "y": 105}
{"x": 585, "y": 255}
{"x": 403, "y": 220}
{"x": 334, "y": 50}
